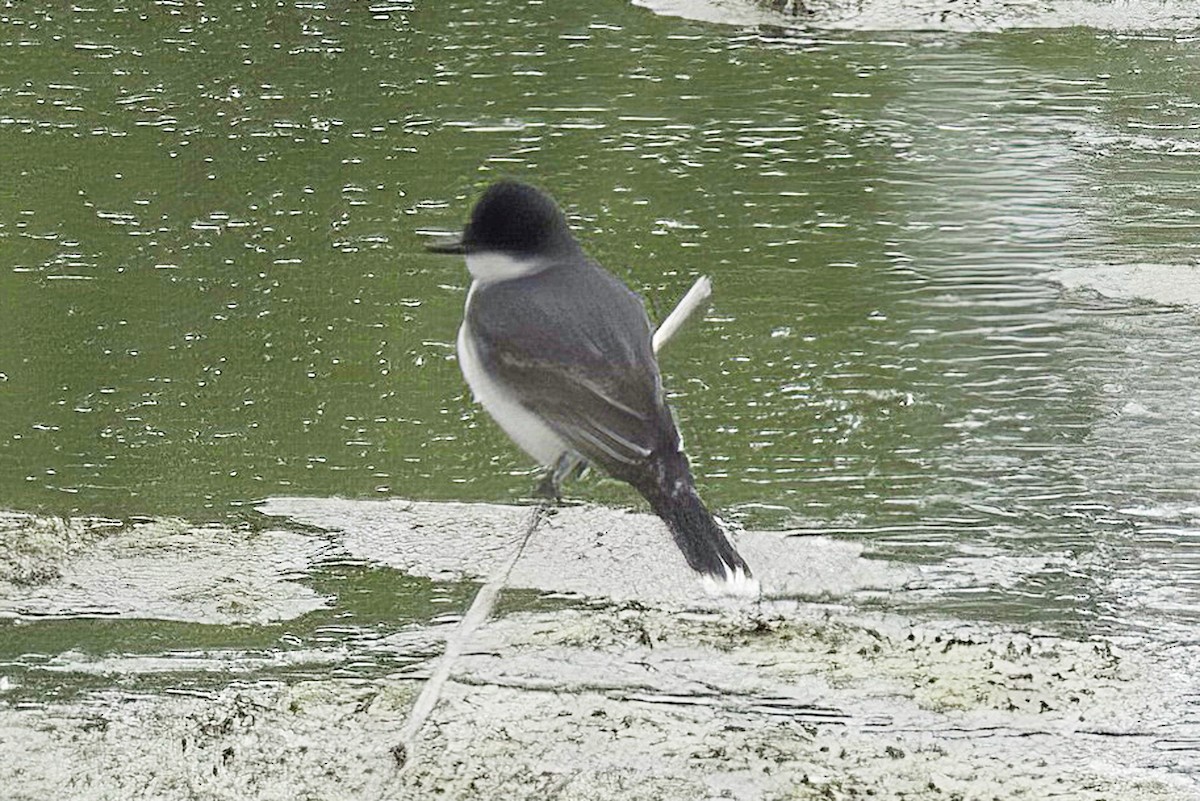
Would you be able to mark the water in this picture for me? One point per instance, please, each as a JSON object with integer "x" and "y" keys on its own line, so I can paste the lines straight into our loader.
{"x": 213, "y": 288}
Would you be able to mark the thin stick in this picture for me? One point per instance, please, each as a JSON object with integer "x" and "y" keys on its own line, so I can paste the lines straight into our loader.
{"x": 485, "y": 600}
{"x": 481, "y": 608}
{"x": 700, "y": 292}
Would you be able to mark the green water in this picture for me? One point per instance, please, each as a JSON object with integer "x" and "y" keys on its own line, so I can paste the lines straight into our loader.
{"x": 57, "y": 659}
{"x": 213, "y": 287}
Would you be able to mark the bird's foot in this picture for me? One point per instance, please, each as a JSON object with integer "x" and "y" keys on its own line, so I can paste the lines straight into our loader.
{"x": 548, "y": 489}
{"x": 569, "y": 465}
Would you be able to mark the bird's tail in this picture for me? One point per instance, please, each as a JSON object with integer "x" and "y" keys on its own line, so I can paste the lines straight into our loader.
{"x": 672, "y": 494}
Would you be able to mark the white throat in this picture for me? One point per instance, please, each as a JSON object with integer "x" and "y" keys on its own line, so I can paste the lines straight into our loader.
{"x": 490, "y": 266}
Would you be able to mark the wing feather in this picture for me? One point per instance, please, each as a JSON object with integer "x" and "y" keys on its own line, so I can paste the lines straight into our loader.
{"x": 580, "y": 358}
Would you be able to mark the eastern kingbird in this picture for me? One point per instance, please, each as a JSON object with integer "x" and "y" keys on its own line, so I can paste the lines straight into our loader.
{"x": 558, "y": 351}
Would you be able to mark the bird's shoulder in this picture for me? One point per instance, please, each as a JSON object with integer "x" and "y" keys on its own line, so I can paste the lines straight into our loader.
{"x": 574, "y": 309}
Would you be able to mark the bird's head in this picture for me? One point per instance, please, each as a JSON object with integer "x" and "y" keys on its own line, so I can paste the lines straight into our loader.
{"x": 514, "y": 222}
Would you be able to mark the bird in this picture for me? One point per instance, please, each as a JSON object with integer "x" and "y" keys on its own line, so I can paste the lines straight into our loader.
{"x": 558, "y": 351}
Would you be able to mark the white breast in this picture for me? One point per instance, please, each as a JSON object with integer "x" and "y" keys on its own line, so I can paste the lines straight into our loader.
{"x": 496, "y": 266}
{"x": 522, "y": 426}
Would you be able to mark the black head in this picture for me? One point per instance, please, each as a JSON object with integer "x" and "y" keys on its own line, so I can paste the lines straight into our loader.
{"x": 517, "y": 219}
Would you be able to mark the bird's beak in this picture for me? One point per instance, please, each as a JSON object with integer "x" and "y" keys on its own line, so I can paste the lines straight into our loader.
{"x": 448, "y": 245}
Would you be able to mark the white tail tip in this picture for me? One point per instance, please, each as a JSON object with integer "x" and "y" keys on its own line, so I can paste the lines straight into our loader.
{"x": 735, "y": 583}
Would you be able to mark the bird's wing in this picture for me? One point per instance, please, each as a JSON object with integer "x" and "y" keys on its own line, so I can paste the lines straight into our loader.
{"x": 591, "y": 376}
{"x": 600, "y": 416}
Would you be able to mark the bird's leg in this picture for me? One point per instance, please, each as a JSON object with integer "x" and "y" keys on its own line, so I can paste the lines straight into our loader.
{"x": 579, "y": 468}
{"x": 546, "y": 489}
{"x": 568, "y": 465}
